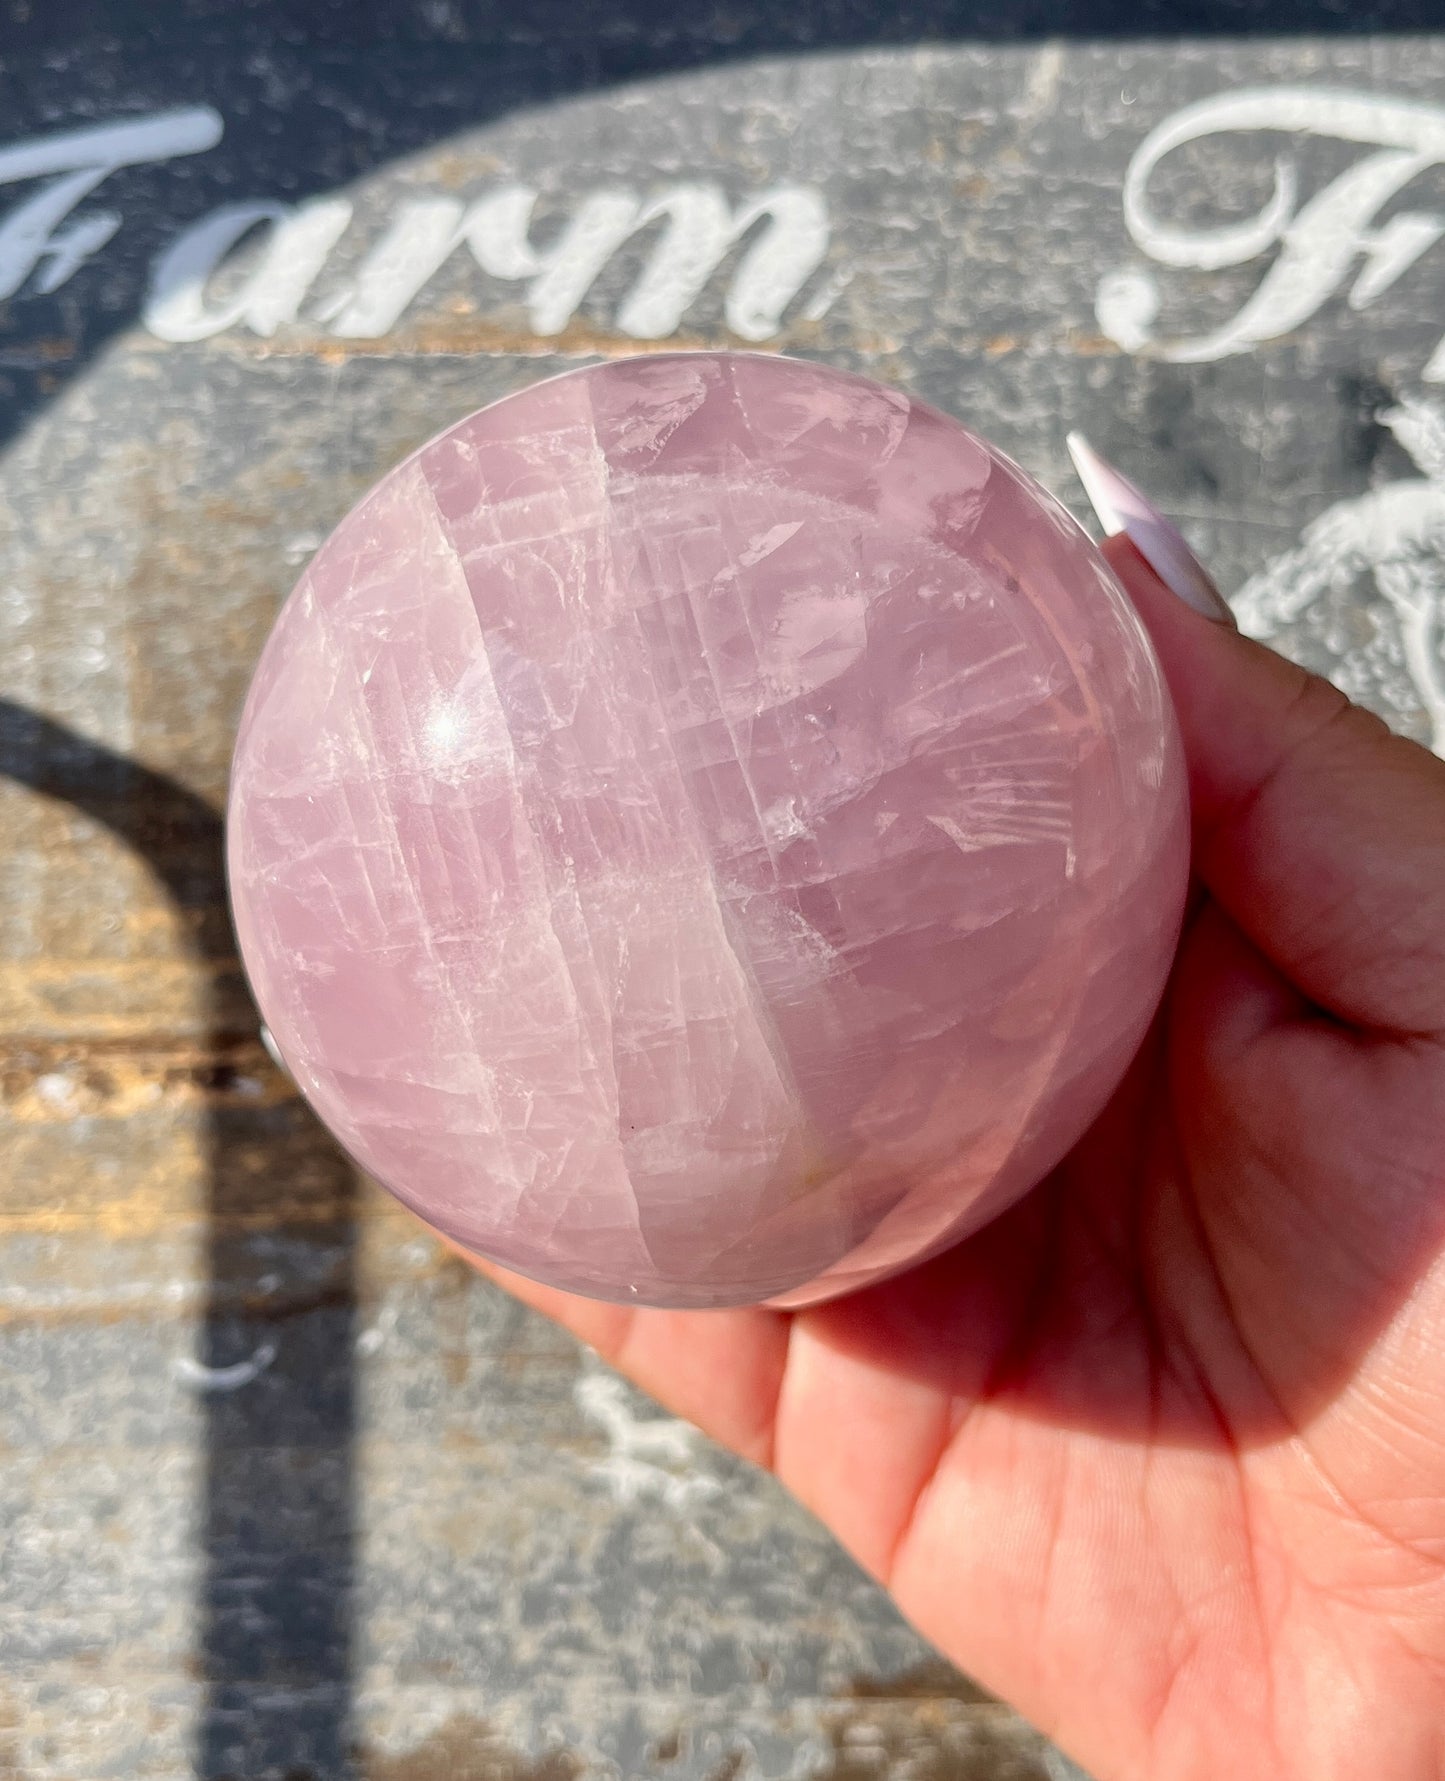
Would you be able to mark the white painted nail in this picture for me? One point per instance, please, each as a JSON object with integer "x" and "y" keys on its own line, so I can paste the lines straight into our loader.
{"x": 1123, "y": 507}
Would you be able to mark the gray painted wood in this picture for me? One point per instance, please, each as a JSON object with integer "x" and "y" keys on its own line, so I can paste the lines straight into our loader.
{"x": 283, "y": 1492}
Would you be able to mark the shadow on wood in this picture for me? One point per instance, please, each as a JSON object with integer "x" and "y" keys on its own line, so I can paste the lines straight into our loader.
{"x": 275, "y": 1360}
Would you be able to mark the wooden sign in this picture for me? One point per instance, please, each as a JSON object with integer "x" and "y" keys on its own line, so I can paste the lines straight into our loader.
{"x": 284, "y": 1493}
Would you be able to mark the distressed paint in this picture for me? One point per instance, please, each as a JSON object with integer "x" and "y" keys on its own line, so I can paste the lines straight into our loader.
{"x": 491, "y": 1559}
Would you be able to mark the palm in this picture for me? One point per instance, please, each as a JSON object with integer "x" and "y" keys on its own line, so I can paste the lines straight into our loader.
{"x": 1194, "y": 1462}
{"x": 1160, "y": 1454}
{"x": 1145, "y": 1443}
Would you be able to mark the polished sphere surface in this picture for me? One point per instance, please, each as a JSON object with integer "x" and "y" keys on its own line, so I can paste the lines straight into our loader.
{"x": 707, "y": 829}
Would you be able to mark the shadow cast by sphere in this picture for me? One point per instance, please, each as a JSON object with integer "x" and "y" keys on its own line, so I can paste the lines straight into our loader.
{"x": 1116, "y": 1302}
{"x": 275, "y": 1361}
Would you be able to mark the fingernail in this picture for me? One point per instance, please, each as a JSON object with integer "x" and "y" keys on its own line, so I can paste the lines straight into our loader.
{"x": 1122, "y": 507}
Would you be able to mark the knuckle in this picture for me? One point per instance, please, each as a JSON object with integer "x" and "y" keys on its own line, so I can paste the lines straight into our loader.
{"x": 1319, "y": 710}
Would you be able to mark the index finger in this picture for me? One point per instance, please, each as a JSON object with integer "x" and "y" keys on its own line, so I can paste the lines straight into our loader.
{"x": 1320, "y": 833}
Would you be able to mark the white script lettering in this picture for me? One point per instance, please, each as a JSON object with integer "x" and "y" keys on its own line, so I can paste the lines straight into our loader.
{"x": 780, "y": 238}
{"x": 75, "y": 164}
{"x": 1320, "y": 242}
{"x": 700, "y": 230}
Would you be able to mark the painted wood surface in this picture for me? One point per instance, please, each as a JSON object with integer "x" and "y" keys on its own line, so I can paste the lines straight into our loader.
{"x": 283, "y": 1492}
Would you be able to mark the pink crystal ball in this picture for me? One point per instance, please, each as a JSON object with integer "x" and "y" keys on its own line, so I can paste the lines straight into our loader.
{"x": 707, "y": 829}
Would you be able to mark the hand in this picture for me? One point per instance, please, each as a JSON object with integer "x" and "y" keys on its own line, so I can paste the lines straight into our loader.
{"x": 1160, "y": 1455}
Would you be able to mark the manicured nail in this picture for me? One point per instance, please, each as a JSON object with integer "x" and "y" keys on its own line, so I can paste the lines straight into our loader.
{"x": 1122, "y": 507}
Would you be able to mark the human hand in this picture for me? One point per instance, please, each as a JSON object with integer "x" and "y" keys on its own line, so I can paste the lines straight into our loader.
{"x": 1159, "y": 1455}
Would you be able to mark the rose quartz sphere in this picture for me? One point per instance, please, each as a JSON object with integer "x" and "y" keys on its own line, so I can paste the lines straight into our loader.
{"x": 707, "y": 829}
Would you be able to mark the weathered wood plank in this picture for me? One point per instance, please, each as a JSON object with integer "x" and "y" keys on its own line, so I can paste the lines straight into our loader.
{"x": 283, "y": 1492}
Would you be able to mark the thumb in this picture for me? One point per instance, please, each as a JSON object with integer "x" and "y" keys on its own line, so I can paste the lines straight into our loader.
{"x": 1320, "y": 833}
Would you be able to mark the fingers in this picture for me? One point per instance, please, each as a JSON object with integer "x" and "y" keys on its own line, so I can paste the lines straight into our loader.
{"x": 601, "y": 1326}
{"x": 1227, "y": 997}
{"x": 1320, "y": 833}
{"x": 722, "y": 1370}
